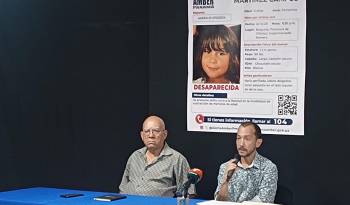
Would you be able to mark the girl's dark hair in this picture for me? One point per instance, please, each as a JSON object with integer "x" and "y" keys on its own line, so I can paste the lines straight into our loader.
{"x": 212, "y": 37}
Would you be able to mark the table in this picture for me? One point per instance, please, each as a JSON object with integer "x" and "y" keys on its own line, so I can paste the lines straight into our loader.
{"x": 51, "y": 196}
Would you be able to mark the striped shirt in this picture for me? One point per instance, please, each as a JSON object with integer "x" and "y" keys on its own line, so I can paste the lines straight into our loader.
{"x": 163, "y": 177}
{"x": 257, "y": 182}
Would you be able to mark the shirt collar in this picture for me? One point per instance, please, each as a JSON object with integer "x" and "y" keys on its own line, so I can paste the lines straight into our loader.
{"x": 165, "y": 151}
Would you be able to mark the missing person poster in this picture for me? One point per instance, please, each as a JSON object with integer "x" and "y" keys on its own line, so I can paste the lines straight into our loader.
{"x": 246, "y": 62}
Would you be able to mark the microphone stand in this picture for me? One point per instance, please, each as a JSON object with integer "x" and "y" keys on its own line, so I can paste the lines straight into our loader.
{"x": 186, "y": 192}
{"x": 182, "y": 196}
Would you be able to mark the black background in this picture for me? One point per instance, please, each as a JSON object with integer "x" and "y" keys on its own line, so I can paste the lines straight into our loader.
{"x": 78, "y": 77}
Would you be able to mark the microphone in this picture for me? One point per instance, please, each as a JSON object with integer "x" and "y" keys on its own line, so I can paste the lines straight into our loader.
{"x": 236, "y": 159}
{"x": 193, "y": 177}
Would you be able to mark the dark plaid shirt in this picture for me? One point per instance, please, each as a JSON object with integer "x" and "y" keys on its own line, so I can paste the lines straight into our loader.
{"x": 163, "y": 177}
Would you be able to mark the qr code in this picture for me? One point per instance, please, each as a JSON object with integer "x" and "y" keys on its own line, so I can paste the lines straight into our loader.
{"x": 287, "y": 105}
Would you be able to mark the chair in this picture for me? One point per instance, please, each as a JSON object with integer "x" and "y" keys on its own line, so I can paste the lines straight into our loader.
{"x": 283, "y": 195}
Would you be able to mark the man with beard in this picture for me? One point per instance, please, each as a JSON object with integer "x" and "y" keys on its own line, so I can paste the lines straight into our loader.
{"x": 250, "y": 178}
{"x": 156, "y": 169}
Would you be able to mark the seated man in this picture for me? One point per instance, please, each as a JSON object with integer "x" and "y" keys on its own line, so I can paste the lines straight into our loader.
{"x": 156, "y": 169}
{"x": 250, "y": 178}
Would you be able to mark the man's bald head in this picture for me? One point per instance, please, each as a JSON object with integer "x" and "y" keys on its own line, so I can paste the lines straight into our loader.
{"x": 155, "y": 120}
{"x": 153, "y": 133}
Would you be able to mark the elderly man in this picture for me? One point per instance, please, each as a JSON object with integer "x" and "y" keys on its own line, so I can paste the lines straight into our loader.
{"x": 250, "y": 178}
{"x": 156, "y": 169}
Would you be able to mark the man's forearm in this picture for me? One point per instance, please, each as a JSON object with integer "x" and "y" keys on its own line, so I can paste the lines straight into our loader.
{"x": 223, "y": 193}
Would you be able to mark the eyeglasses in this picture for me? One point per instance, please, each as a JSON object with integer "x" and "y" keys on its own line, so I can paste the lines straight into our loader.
{"x": 153, "y": 131}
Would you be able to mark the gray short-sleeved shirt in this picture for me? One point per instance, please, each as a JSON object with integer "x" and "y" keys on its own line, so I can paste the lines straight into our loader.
{"x": 256, "y": 183}
{"x": 163, "y": 177}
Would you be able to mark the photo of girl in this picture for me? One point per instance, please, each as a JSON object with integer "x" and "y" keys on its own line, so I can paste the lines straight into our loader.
{"x": 216, "y": 57}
